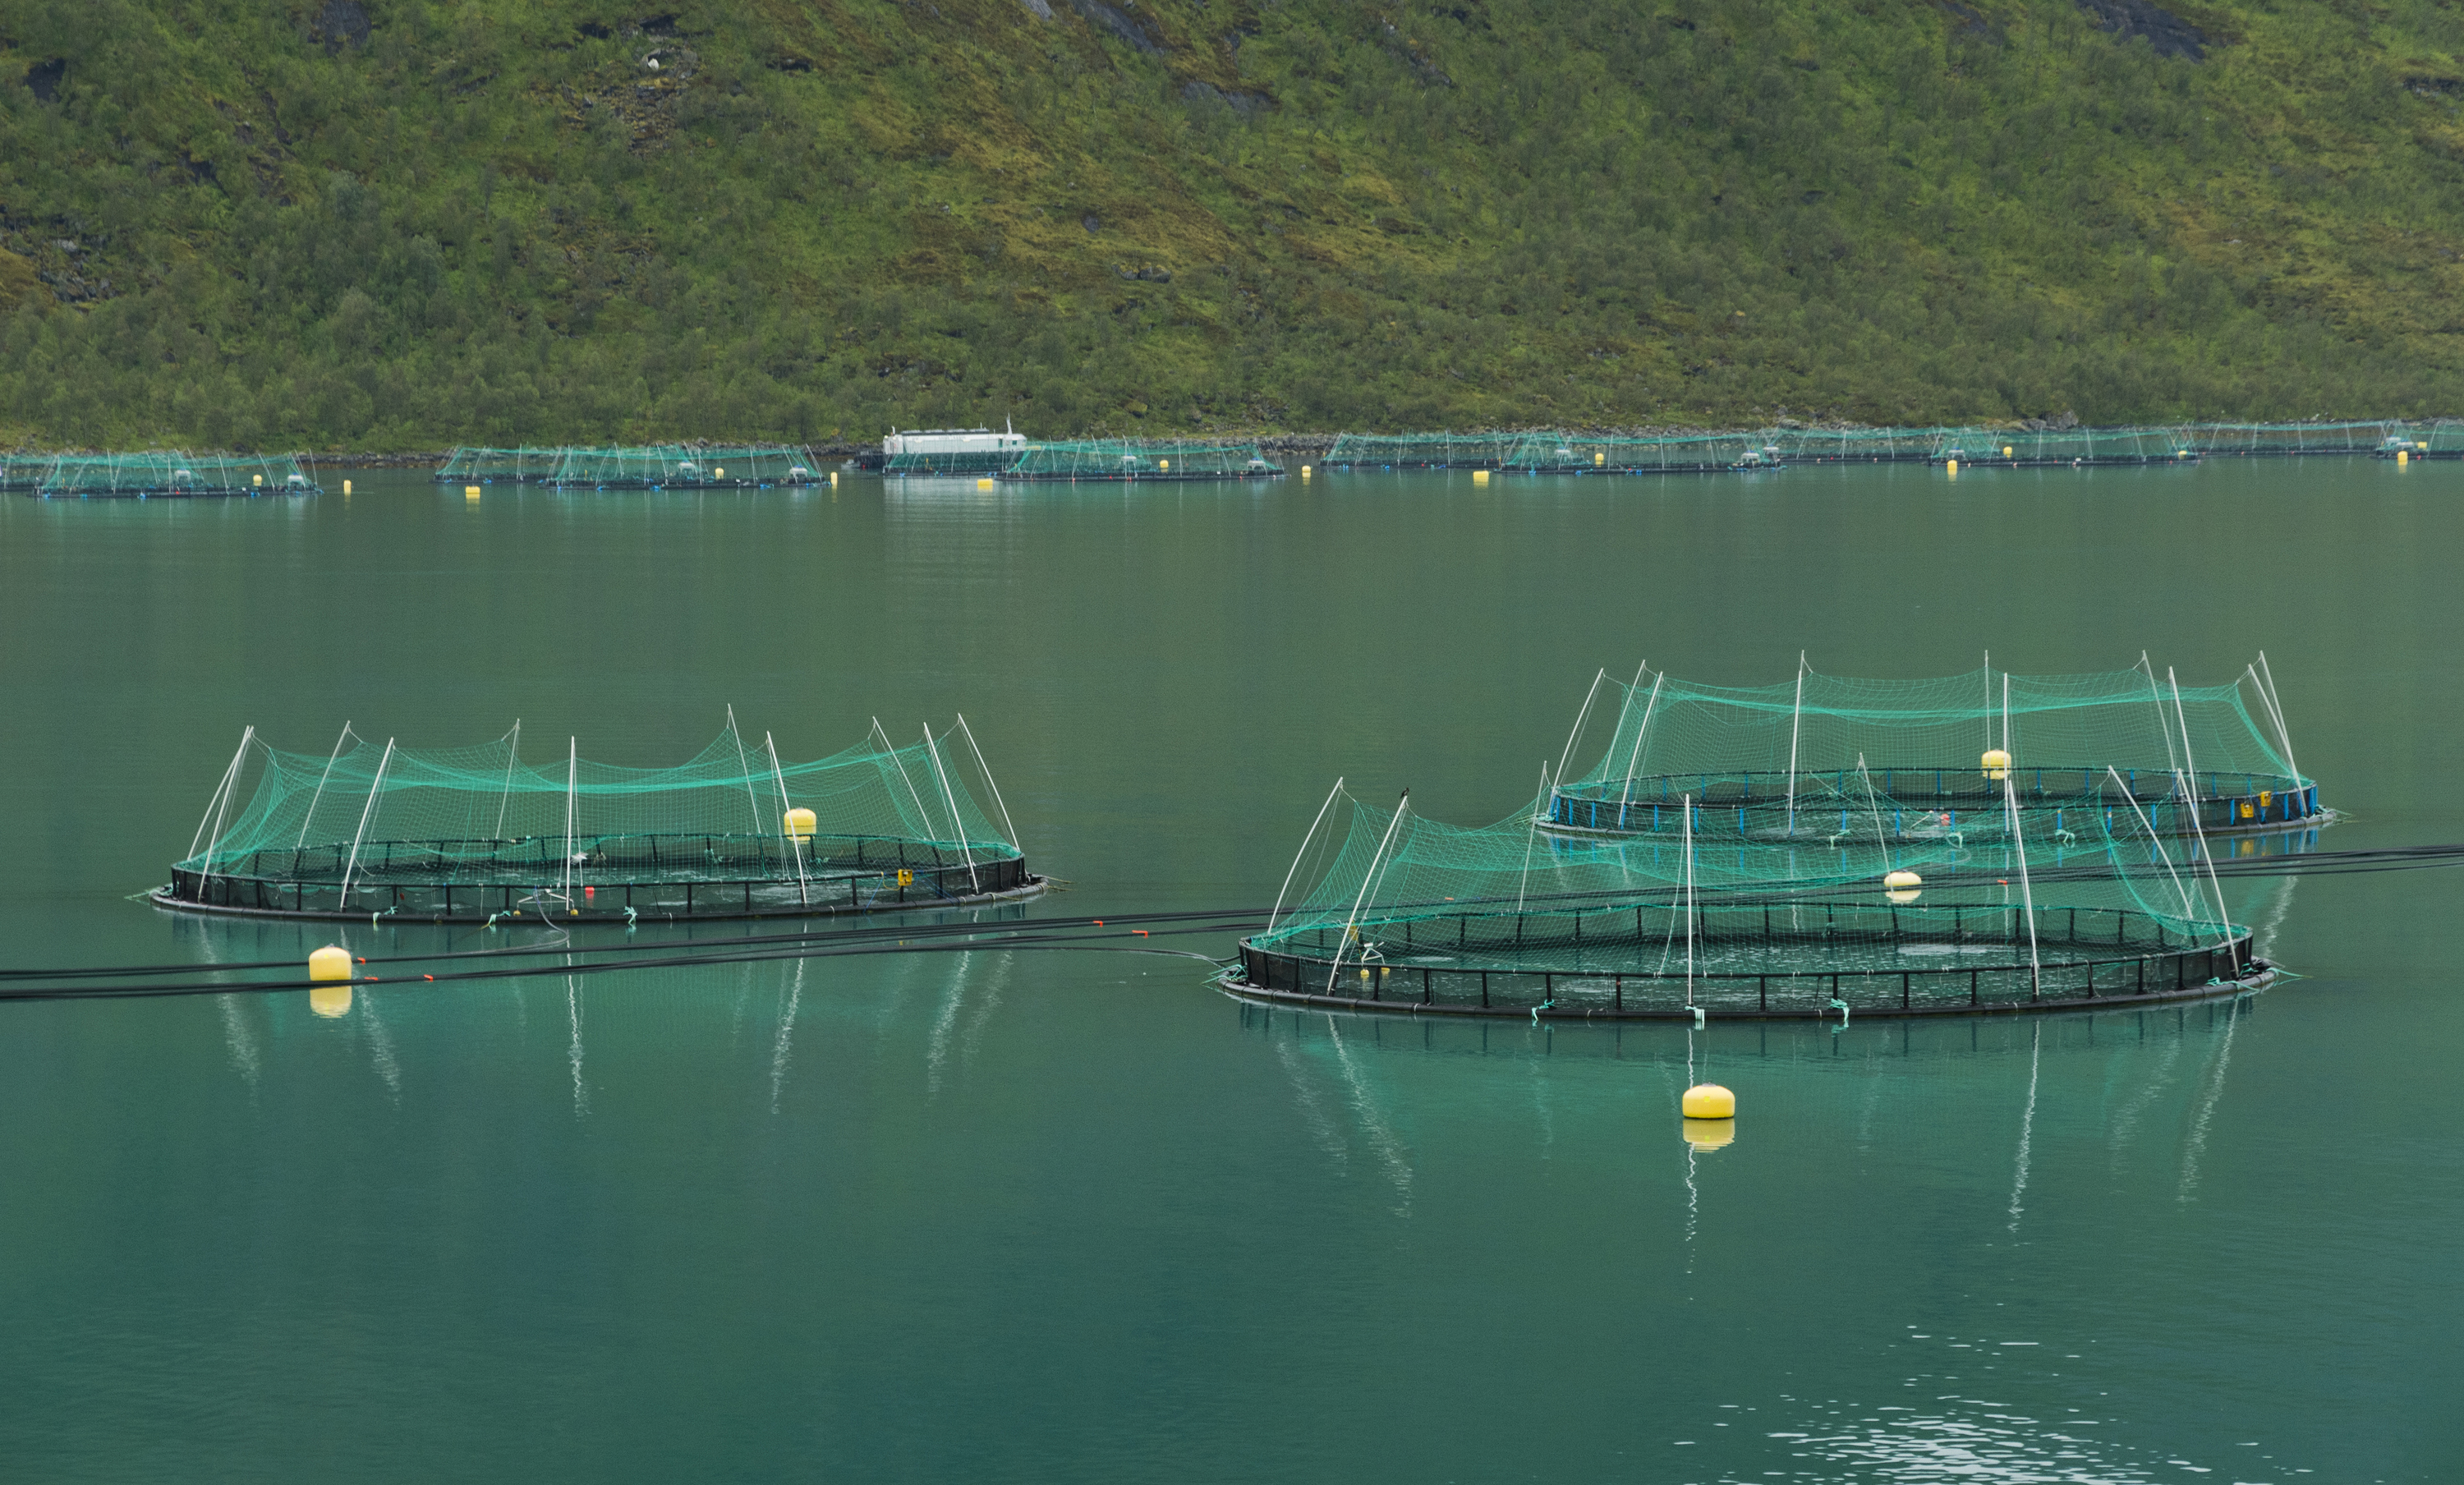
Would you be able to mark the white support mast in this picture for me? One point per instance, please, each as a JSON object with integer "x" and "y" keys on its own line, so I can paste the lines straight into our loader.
{"x": 744, "y": 767}
{"x": 795, "y": 847}
{"x": 1580, "y": 718}
{"x": 513, "y": 751}
{"x": 887, "y": 746}
{"x": 1531, "y": 837}
{"x": 572, "y": 779}
{"x": 1634, "y": 758}
{"x": 2275, "y": 709}
{"x": 1795, "y": 722}
{"x": 2019, "y": 840}
{"x": 1304, "y": 850}
{"x": 985, "y": 768}
{"x": 1351, "y": 925}
{"x": 219, "y": 807}
{"x": 310, "y": 817}
{"x": 367, "y": 813}
{"x": 2223, "y": 916}
{"x": 949, "y": 797}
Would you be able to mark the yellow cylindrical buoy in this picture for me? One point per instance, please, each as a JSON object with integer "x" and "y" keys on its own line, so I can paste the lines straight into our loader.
{"x": 470, "y": 492}
{"x": 1305, "y": 472}
{"x": 346, "y": 487}
{"x": 801, "y": 823}
{"x": 2006, "y": 451}
{"x": 1599, "y": 457}
{"x": 330, "y": 1000}
{"x": 1953, "y": 467}
{"x": 330, "y": 967}
{"x": 718, "y": 474}
{"x": 834, "y": 480}
{"x": 1709, "y": 1100}
{"x": 2402, "y": 457}
{"x": 1902, "y": 885}
{"x": 983, "y": 484}
{"x": 260, "y": 480}
{"x": 1710, "y": 1134}
{"x": 1480, "y": 477}
{"x": 1163, "y": 463}
{"x": 333, "y": 961}
{"x": 1996, "y": 765}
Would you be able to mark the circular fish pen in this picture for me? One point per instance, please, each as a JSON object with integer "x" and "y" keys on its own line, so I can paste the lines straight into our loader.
{"x": 1815, "y": 758}
{"x": 1794, "y": 959}
{"x": 478, "y": 835}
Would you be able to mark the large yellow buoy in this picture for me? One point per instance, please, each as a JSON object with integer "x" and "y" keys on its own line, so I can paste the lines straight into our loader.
{"x": 801, "y": 823}
{"x": 1305, "y": 472}
{"x": 1710, "y": 1134}
{"x": 346, "y": 487}
{"x": 2402, "y": 457}
{"x": 1709, "y": 1100}
{"x": 1902, "y": 885}
{"x": 331, "y": 968}
{"x": 983, "y": 484}
{"x": 1996, "y": 764}
{"x": 1480, "y": 477}
{"x": 330, "y": 963}
{"x": 470, "y": 492}
{"x": 1953, "y": 467}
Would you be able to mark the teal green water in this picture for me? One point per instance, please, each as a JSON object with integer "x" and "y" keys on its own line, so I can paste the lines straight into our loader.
{"x": 1078, "y": 1217}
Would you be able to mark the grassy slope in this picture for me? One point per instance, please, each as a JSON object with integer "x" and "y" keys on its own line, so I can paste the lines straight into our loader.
{"x": 492, "y": 222}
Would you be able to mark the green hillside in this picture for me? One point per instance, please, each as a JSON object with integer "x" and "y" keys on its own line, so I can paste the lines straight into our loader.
{"x": 422, "y": 222}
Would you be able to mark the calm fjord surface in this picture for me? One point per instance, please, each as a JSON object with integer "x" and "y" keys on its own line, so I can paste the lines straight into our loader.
{"x": 1078, "y": 1217}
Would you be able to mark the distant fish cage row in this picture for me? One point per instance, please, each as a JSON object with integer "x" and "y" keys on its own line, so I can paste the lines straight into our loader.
{"x": 160, "y": 473}
{"x": 1096, "y": 461}
{"x": 1742, "y": 451}
{"x": 643, "y": 467}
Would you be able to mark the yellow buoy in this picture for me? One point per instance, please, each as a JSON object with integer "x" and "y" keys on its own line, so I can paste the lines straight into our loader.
{"x": 1480, "y": 477}
{"x": 1902, "y": 885}
{"x": 834, "y": 480}
{"x": 1709, "y": 1100}
{"x": 983, "y": 484}
{"x": 1305, "y": 472}
{"x": 718, "y": 474}
{"x": 2402, "y": 457}
{"x": 1163, "y": 463}
{"x": 470, "y": 492}
{"x": 346, "y": 487}
{"x": 1996, "y": 764}
{"x": 1599, "y": 457}
{"x": 2006, "y": 451}
{"x": 801, "y": 823}
{"x": 333, "y": 961}
{"x": 1953, "y": 467}
{"x": 330, "y": 1000}
{"x": 260, "y": 480}
{"x": 1710, "y": 1134}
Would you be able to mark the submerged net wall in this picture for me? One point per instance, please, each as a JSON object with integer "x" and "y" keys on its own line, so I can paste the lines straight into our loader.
{"x": 467, "y": 833}
{"x": 683, "y": 467}
{"x": 1396, "y": 908}
{"x": 164, "y": 473}
{"x": 493, "y": 466}
{"x": 1141, "y": 459}
{"x": 21, "y": 473}
{"x": 1797, "y": 756}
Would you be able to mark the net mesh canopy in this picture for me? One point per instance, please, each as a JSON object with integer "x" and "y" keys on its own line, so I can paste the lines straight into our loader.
{"x": 684, "y": 467}
{"x": 170, "y": 472}
{"x": 1140, "y": 459}
{"x": 461, "y": 831}
{"x": 1792, "y": 752}
{"x": 468, "y": 466}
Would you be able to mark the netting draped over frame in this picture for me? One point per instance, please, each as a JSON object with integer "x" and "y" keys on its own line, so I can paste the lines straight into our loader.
{"x": 1667, "y": 731}
{"x": 466, "y": 802}
{"x": 1374, "y": 866}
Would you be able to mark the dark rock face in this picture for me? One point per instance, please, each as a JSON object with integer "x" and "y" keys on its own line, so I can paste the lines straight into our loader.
{"x": 1119, "y": 25}
{"x": 2169, "y": 34}
{"x": 342, "y": 23}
